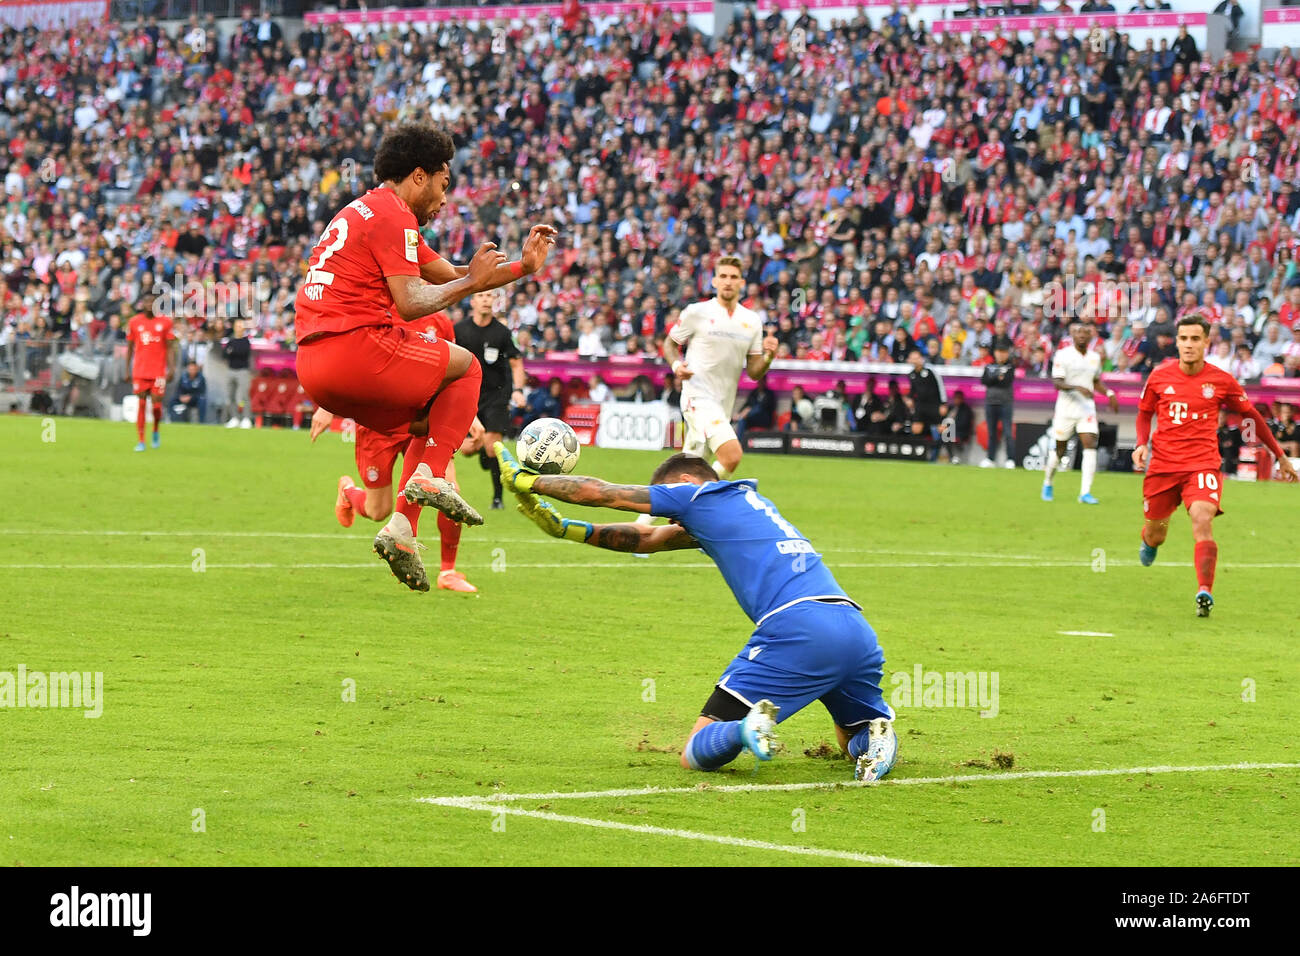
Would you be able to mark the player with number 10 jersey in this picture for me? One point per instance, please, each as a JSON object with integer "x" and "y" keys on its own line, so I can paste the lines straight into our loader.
{"x": 1182, "y": 400}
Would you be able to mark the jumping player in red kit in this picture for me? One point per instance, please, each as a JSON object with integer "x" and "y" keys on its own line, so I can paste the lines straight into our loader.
{"x": 376, "y": 453}
{"x": 367, "y": 279}
{"x": 1182, "y": 399}
{"x": 149, "y": 362}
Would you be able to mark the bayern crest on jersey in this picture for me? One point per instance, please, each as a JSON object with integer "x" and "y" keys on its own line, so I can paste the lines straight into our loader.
{"x": 1207, "y": 391}
{"x": 429, "y": 335}
{"x": 372, "y": 473}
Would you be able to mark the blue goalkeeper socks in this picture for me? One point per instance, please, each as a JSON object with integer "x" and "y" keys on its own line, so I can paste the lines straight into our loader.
{"x": 858, "y": 742}
{"x": 714, "y": 745}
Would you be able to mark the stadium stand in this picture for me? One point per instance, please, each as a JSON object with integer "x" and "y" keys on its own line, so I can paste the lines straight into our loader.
{"x": 874, "y": 175}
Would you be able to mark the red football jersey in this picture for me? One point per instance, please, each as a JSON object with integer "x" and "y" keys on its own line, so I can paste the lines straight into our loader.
{"x": 346, "y": 287}
{"x": 150, "y": 335}
{"x": 439, "y": 322}
{"x": 1186, "y": 409}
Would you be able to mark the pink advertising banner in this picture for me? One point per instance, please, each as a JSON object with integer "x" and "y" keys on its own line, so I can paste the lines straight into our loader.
{"x": 1101, "y": 21}
{"x": 47, "y": 14}
{"x": 444, "y": 14}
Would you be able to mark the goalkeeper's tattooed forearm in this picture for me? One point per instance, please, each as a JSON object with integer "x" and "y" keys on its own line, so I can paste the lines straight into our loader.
{"x": 580, "y": 490}
{"x": 616, "y": 537}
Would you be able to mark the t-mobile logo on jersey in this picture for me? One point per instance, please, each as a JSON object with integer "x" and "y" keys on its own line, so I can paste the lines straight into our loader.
{"x": 1178, "y": 412}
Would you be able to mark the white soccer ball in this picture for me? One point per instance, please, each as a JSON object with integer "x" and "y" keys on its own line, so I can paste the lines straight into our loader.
{"x": 548, "y": 446}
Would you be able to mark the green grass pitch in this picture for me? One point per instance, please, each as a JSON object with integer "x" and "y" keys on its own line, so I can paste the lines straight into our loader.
{"x": 230, "y": 616}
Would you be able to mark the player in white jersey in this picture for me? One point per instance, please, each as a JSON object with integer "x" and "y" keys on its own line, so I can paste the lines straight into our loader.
{"x": 1076, "y": 373}
{"x": 722, "y": 337}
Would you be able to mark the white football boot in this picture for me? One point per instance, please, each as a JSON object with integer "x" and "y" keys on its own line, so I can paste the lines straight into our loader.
{"x": 758, "y": 729}
{"x": 882, "y": 751}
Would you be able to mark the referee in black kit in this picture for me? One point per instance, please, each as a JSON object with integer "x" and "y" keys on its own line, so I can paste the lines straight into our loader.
{"x": 503, "y": 377}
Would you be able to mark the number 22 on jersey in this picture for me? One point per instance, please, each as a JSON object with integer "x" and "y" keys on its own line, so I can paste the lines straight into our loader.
{"x": 315, "y": 272}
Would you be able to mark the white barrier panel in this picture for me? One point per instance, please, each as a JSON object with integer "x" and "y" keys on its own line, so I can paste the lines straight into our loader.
{"x": 1140, "y": 27}
{"x": 641, "y": 425}
{"x": 131, "y": 407}
{"x": 1281, "y": 28}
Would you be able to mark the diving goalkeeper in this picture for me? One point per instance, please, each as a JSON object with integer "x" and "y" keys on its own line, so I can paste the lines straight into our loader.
{"x": 810, "y": 641}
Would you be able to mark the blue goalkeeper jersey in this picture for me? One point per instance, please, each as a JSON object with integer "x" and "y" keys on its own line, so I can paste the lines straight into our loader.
{"x": 763, "y": 558}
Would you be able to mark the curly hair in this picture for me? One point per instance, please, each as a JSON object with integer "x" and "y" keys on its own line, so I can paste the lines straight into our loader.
{"x": 409, "y": 146}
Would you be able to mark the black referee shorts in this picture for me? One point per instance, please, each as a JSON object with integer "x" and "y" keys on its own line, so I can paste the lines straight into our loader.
{"x": 495, "y": 415}
{"x": 927, "y": 414}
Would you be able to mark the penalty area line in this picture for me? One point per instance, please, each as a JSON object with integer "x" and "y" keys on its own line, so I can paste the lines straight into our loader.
{"x": 463, "y": 803}
{"x": 498, "y": 798}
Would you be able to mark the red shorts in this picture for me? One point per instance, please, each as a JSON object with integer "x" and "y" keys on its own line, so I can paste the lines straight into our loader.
{"x": 1161, "y": 494}
{"x": 377, "y": 454}
{"x": 154, "y": 386}
{"x": 383, "y": 377}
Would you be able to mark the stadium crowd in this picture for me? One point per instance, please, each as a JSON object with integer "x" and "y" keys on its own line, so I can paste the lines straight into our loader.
{"x": 888, "y": 188}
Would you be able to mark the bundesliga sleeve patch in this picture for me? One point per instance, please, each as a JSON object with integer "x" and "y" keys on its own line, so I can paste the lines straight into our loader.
{"x": 412, "y": 245}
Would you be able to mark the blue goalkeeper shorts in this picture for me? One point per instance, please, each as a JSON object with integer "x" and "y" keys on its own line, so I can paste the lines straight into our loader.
{"x": 812, "y": 651}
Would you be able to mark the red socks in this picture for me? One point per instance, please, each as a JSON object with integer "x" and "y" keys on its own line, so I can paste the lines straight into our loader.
{"x": 141, "y": 410}
{"x": 157, "y": 416}
{"x": 449, "y": 532}
{"x": 1206, "y": 557}
{"x": 410, "y": 459}
{"x": 357, "y": 498}
{"x": 450, "y": 416}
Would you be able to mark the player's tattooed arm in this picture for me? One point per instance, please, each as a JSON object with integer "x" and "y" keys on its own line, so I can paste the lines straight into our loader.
{"x": 414, "y": 298}
{"x": 580, "y": 490}
{"x": 641, "y": 538}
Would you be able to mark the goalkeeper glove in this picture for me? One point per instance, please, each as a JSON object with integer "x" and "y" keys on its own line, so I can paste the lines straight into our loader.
{"x": 513, "y": 475}
{"x": 543, "y": 514}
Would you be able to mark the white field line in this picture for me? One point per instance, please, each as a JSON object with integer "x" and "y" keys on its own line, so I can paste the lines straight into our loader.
{"x": 495, "y": 798}
{"x": 472, "y": 565}
{"x": 618, "y": 565}
{"x": 1086, "y": 633}
{"x": 532, "y": 539}
{"x": 467, "y": 804}
{"x": 965, "y": 558}
{"x": 496, "y": 803}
